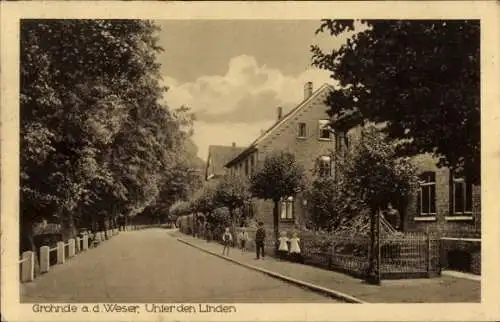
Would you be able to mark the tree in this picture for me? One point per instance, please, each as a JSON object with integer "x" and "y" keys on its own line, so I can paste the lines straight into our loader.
{"x": 421, "y": 77}
{"x": 204, "y": 200}
{"x": 178, "y": 209}
{"x": 376, "y": 176}
{"x": 185, "y": 174}
{"x": 331, "y": 204}
{"x": 279, "y": 177}
{"x": 232, "y": 192}
{"x": 93, "y": 128}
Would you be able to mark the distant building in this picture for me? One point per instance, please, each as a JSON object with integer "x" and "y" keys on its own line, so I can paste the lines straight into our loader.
{"x": 304, "y": 132}
{"x": 218, "y": 156}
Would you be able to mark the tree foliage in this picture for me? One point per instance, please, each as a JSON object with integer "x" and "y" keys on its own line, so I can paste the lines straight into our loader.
{"x": 421, "y": 77}
{"x": 96, "y": 139}
{"x": 280, "y": 176}
{"x": 204, "y": 200}
{"x": 232, "y": 192}
{"x": 376, "y": 174}
{"x": 331, "y": 205}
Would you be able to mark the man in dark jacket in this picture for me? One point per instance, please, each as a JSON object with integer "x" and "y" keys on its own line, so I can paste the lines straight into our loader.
{"x": 260, "y": 237}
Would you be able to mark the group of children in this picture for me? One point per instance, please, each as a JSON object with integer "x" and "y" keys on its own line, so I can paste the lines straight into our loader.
{"x": 288, "y": 247}
{"x": 227, "y": 240}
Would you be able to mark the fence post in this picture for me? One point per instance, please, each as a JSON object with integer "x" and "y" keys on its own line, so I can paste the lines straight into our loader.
{"x": 28, "y": 266}
{"x": 85, "y": 242}
{"x": 330, "y": 254}
{"x": 77, "y": 245}
{"x": 429, "y": 257}
{"x": 71, "y": 250}
{"x": 44, "y": 259}
{"x": 60, "y": 252}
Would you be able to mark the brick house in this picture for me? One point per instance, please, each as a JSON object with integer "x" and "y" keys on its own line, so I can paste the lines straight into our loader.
{"x": 443, "y": 204}
{"x": 218, "y": 156}
{"x": 304, "y": 132}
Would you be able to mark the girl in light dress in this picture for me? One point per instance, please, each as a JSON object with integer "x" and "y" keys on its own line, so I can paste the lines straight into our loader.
{"x": 283, "y": 245}
{"x": 295, "y": 248}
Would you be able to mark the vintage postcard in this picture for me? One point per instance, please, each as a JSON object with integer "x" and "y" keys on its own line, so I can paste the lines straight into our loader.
{"x": 246, "y": 161}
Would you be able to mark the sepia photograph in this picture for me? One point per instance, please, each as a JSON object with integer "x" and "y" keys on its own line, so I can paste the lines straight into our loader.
{"x": 189, "y": 166}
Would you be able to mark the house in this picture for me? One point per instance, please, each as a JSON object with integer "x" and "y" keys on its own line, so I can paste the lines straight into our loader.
{"x": 218, "y": 156}
{"x": 304, "y": 132}
{"x": 443, "y": 204}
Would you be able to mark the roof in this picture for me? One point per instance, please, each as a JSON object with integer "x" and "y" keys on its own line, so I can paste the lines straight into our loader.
{"x": 283, "y": 120}
{"x": 219, "y": 155}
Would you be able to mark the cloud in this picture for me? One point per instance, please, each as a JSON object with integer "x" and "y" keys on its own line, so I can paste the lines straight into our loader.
{"x": 246, "y": 85}
{"x": 238, "y": 104}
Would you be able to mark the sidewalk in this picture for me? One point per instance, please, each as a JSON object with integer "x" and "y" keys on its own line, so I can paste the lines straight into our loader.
{"x": 435, "y": 290}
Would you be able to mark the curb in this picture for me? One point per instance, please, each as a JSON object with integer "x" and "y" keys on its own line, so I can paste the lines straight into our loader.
{"x": 316, "y": 288}
{"x": 467, "y": 276}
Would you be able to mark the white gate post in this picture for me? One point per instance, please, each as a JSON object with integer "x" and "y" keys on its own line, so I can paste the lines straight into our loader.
{"x": 85, "y": 242}
{"x": 60, "y": 252}
{"x": 71, "y": 246}
{"x": 78, "y": 245}
{"x": 44, "y": 259}
{"x": 28, "y": 266}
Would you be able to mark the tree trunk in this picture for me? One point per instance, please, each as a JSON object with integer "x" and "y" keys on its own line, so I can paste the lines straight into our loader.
{"x": 102, "y": 223}
{"x": 68, "y": 224}
{"x": 232, "y": 213}
{"x": 373, "y": 276}
{"x": 276, "y": 224}
{"x": 27, "y": 240}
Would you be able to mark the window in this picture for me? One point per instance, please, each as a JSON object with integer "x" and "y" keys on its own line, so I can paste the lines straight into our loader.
{"x": 462, "y": 197}
{"x": 302, "y": 130}
{"x": 324, "y": 129}
{"x": 286, "y": 211}
{"x": 246, "y": 166}
{"x": 325, "y": 166}
{"x": 427, "y": 194}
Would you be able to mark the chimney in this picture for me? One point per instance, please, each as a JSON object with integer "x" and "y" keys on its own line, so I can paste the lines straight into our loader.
{"x": 234, "y": 145}
{"x": 280, "y": 112}
{"x": 308, "y": 90}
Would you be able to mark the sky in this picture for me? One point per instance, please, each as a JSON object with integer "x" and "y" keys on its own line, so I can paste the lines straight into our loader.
{"x": 233, "y": 74}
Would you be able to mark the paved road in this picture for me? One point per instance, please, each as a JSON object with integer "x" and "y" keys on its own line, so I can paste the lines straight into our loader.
{"x": 152, "y": 266}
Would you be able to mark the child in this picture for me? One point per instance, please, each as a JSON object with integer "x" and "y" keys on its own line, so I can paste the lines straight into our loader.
{"x": 283, "y": 245}
{"x": 295, "y": 248}
{"x": 227, "y": 239}
{"x": 242, "y": 238}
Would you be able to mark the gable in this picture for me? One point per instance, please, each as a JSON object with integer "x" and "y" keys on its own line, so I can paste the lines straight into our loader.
{"x": 285, "y": 134}
{"x": 317, "y": 99}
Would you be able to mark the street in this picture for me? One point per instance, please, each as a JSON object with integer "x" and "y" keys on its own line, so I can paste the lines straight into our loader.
{"x": 152, "y": 266}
